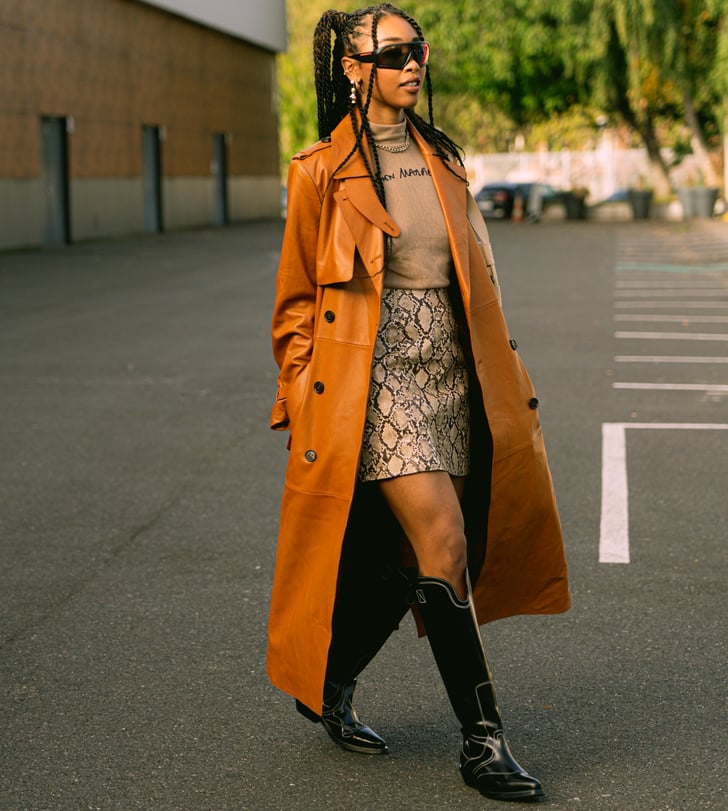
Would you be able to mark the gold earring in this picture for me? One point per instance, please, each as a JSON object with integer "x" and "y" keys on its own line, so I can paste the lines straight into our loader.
{"x": 352, "y": 95}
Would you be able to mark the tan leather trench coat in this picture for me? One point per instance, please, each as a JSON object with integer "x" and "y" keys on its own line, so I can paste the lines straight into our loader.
{"x": 325, "y": 321}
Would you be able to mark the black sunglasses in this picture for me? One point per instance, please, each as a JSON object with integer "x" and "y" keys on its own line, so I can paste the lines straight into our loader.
{"x": 395, "y": 57}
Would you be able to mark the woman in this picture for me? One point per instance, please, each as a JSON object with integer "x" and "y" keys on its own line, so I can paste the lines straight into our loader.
{"x": 413, "y": 429}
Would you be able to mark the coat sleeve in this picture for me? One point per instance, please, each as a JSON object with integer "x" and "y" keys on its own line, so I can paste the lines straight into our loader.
{"x": 295, "y": 300}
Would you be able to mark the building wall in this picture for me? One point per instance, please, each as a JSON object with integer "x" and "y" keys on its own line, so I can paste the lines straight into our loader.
{"x": 110, "y": 67}
{"x": 260, "y": 21}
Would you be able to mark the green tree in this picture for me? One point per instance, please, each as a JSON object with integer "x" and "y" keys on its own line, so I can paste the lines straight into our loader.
{"x": 684, "y": 41}
{"x": 296, "y": 96}
{"x": 651, "y": 61}
{"x": 527, "y": 66}
{"x": 497, "y": 67}
{"x": 719, "y": 76}
{"x": 623, "y": 77}
{"x": 507, "y": 60}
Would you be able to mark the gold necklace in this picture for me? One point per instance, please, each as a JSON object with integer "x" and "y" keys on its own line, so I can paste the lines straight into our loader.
{"x": 401, "y": 148}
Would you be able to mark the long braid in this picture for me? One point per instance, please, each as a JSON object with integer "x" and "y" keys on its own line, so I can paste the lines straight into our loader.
{"x": 328, "y": 74}
{"x": 377, "y": 177}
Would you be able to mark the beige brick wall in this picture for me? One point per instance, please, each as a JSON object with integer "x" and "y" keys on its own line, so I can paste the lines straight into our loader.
{"x": 115, "y": 65}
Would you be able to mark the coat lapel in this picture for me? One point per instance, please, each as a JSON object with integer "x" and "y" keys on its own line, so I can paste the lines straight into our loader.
{"x": 452, "y": 193}
{"x": 357, "y": 183}
{"x": 358, "y": 204}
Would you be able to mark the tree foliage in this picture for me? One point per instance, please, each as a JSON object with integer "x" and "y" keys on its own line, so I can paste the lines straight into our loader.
{"x": 652, "y": 61}
{"x": 542, "y": 68}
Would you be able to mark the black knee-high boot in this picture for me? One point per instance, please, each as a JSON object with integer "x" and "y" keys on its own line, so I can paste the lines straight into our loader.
{"x": 362, "y": 623}
{"x": 485, "y": 760}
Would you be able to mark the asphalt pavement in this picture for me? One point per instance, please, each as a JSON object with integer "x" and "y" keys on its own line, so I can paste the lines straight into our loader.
{"x": 139, "y": 494}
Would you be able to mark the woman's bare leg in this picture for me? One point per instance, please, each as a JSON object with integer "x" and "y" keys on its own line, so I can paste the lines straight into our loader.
{"x": 427, "y": 506}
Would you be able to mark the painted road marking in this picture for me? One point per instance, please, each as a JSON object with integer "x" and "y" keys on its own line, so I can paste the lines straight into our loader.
{"x": 669, "y": 292}
{"x": 692, "y": 319}
{"x": 614, "y": 523}
{"x": 672, "y": 283}
{"x": 669, "y": 359}
{"x": 654, "y": 266}
{"x": 711, "y": 387}
{"x": 674, "y": 336}
{"x": 685, "y": 305}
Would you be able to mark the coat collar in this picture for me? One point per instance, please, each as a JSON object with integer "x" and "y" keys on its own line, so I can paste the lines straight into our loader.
{"x": 343, "y": 145}
{"x": 343, "y": 148}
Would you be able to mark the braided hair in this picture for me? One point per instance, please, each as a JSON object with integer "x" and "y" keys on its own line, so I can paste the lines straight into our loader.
{"x": 333, "y": 88}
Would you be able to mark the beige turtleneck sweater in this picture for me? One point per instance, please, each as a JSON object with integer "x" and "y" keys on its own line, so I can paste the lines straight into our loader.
{"x": 420, "y": 256}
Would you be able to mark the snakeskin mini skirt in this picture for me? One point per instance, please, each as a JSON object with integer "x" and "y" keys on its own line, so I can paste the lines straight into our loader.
{"x": 417, "y": 413}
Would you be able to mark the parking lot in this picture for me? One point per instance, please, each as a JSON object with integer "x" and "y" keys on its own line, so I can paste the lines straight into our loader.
{"x": 137, "y": 534}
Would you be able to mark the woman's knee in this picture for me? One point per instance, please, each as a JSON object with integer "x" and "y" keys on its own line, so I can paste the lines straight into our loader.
{"x": 447, "y": 556}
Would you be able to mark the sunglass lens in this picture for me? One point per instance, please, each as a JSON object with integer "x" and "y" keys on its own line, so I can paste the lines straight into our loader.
{"x": 397, "y": 56}
{"x": 394, "y": 56}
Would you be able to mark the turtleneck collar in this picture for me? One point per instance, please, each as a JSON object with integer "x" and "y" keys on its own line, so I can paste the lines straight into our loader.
{"x": 390, "y": 134}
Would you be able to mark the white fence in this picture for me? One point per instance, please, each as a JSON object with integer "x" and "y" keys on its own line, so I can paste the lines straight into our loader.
{"x": 603, "y": 171}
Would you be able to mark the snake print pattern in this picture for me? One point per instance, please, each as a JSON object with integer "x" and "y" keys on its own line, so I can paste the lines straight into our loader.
{"x": 417, "y": 413}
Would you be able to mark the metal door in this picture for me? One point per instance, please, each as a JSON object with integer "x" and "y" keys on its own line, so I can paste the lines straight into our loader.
{"x": 152, "y": 179}
{"x": 220, "y": 172}
{"x": 54, "y": 147}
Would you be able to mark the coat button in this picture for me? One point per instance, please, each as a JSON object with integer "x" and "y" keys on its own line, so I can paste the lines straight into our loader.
{"x": 533, "y": 403}
{"x": 514, "y": 343}
{"x": 310, "y": 456}
{"x": 330, "y": 316}
{"x": 318, "y": 387}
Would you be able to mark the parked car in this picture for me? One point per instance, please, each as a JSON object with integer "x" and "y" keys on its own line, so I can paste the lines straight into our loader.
{"x": 498, "y": 199}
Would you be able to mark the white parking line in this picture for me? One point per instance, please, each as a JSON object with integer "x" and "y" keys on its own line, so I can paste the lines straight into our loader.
{"x": 674, "y": 336}
{"x": 651, "y": 267}
{"x": 614, "y": 526}
{"x": 672, "y": 283}
{"x": 684, "y": 305}
{"x": 669, "y": 292}
{"x": 692, "y": 319}
{"x": 669, "y": 359}
{"x": 711, "y": 387}
{"x": 614, "y": 523}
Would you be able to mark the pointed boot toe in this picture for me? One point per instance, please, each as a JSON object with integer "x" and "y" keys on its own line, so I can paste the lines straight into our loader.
{"x": 341, "y": 722}
{"x": 354, "y": 737}
{"x": 487, "y": 765}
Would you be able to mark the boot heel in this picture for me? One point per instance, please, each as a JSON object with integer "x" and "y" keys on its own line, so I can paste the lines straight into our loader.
{"x": 307, "y": 713}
